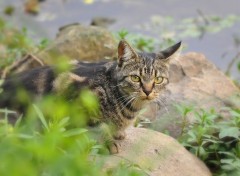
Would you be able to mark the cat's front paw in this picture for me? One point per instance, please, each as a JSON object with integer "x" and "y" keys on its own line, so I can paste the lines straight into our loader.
{"x": 114, "y": 147}
{"x": 120, "y": 135}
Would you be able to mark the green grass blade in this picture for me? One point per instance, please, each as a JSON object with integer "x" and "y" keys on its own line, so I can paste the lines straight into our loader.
{"x": 74, "y": 132}
{"x": 41, "y": 116}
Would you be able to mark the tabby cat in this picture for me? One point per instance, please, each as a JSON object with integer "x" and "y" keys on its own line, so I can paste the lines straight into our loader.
{"x": 123, "y": 86}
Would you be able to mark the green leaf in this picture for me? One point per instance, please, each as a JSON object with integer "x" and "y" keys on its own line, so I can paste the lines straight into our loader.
{"x": 235, "y": 113}
{"x": 229, "y": 154}
{"x": 227, "y": 161}
{"x": 6, "y": 111}
{"x": 123, "y": 33}
{"x": 74, "y": 132}
{"x": 238, "y": 66}
{"x": 25, "y": 136}
{"x": 64, "y": 121}
{"x": 41, "y": 116}
{"x": 229, "y": 132}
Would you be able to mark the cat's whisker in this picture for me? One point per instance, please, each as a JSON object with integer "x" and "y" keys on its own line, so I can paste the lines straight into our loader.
{"x": 129, "y": 101}
{"x": 136, "y": 100}
{"x": 122, "y": 97}
{"x": 162, "y": 103}
{"x": 126, "y": 99}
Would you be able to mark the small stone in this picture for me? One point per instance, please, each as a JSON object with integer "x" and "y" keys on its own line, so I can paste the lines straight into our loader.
{"x": 102, "y": 21}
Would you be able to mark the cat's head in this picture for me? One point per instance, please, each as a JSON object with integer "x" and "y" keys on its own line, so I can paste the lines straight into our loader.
{"x": 143, "y": 75}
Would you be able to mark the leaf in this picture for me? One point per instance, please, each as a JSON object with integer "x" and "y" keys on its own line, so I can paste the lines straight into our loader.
{"x": 229, "y": 154}
{"x": 234, "y": 112}
{"x": 41, "y": 117}
{"x": 6, "y": 111}
{"x": 229, "y": 132}
{"x": 25, "y": 136}
{"x": 17, "y": 123}
{"x": 97, "y": 147}
{"x": 1, "y": 82}
{"x": 74, "y": 132}
{"x": 227, "y": 161}
{"x": 238, "y": 66}
{"x": 64, "y": 121}
{"x": 9, "y": 10}
{"x": 210, "y": 141}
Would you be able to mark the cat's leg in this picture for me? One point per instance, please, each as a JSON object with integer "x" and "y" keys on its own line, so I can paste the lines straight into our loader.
{"x": 116, "y": 141}
{"x": 119, "y": 135}
{"x": 113, "y": 147}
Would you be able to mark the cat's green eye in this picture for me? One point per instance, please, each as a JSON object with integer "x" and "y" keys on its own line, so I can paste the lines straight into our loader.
{"x": 135, "y": 78}
{"x": 158, "y": 80}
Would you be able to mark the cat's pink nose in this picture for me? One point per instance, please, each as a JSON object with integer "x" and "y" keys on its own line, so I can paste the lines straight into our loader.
{"x": 147, "y": 92}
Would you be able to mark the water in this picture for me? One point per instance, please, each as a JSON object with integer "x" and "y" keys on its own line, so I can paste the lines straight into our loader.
{"x": 130, "y": 14}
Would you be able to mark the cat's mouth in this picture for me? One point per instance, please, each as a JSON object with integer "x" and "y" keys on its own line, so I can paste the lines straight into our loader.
{"x": 147, "y": 98}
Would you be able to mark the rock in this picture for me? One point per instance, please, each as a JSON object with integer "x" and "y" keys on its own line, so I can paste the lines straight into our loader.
{"x": 89, "y": 43}
{"x": 156, "y": 154}
{"x": 194, "y": 81}
{"x": 102, "y": 21}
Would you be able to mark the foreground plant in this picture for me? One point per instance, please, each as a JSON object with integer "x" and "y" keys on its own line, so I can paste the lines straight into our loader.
{"x": 214, "y": 140}
{"x": 49, "y": 142}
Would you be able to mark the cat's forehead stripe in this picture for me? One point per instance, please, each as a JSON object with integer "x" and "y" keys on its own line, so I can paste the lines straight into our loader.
{"x": 140, "y": 71}
{"x": 147, "y": 66}
{"x": 156, "y": 73}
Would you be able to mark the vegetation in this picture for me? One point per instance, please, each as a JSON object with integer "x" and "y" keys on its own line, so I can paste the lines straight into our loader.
{"x": 213, "y": 139}
{"x": 46, "y": 143}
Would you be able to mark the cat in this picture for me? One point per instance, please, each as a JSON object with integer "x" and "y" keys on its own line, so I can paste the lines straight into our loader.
{"x": 123, "y": 87}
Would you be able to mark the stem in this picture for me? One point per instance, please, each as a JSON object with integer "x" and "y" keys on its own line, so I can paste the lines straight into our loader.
{"x": 230, "y": 65}
{"x": 183, "y": 125}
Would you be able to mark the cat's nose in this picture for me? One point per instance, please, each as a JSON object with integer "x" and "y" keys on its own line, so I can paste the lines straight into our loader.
{"x": 147, "y": 88}
{"x": 147, "y": 92}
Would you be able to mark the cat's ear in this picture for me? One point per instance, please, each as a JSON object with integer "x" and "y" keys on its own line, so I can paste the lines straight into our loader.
{"x": 171, "y": 52}
{"x": 125, "y": 52}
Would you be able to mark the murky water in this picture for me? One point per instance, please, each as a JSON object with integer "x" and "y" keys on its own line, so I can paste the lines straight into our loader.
{"x": 131, "y": 15}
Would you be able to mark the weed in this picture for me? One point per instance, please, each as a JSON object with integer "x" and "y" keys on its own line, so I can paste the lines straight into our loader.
{"x": 214, "y": 140}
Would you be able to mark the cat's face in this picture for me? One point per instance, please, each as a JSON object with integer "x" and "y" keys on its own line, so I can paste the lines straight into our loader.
{"x": 143, "y": 76}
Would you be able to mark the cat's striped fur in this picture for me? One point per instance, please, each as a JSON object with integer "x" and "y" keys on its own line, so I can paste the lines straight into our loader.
{"x": 123, "y": 87}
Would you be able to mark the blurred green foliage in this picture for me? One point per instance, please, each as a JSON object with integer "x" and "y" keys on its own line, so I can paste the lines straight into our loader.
{"x": 53, "y": 139}
{"x": 213, "y": 139}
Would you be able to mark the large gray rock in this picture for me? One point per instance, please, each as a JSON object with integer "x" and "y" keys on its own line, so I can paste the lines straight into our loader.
{"x": 194, "y": 81}
{"x": 156, "y": 154}
{"x": 89, "y": 43}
